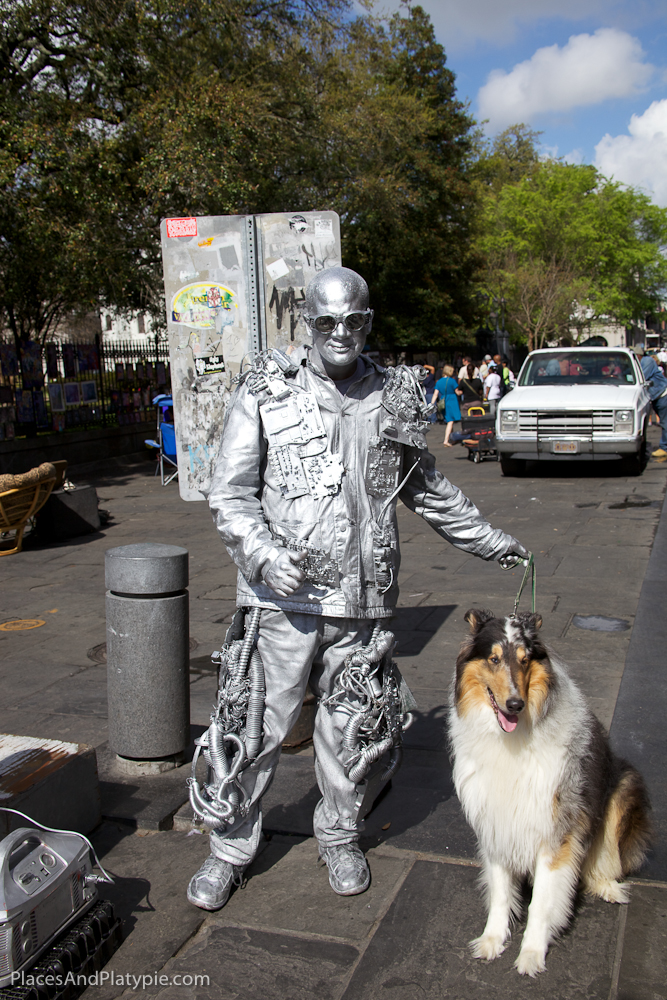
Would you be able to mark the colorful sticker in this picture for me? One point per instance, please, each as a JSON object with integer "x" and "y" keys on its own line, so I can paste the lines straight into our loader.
{"x": 201, "y": 303}
{"x": 182, "y": 227}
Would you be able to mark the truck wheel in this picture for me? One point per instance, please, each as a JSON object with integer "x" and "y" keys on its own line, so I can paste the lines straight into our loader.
{"x": 635, "y": 465}
{"x": 513, "y": 466}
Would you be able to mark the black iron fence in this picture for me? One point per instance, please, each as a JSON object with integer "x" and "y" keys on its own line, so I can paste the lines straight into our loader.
{"x": 65, "y": 386}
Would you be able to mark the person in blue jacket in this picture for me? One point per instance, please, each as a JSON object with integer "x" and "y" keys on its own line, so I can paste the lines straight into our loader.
{"x": 447, "y": 388}
{"x": 657, "y": 389}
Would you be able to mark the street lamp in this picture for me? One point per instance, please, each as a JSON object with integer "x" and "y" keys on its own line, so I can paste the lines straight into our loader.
{"x": 502, "y": 337}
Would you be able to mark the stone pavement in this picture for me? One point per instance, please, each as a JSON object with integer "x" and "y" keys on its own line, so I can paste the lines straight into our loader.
{"x": 286, "y": 935}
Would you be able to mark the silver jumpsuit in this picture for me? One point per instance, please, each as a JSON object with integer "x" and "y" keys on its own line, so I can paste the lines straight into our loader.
{"x": 302, "y": 466}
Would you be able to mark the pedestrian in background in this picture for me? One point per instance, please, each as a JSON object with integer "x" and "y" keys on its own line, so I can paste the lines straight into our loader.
{"x": 484, "y": 367}
{"x": 507, "y": 376}
{"x": 463, "y": 371}
{"x": 447, "y": 389}
{"x": 657, "y": 390}
{"x": 472, "y": 388}
{"x": 492, "y": 388}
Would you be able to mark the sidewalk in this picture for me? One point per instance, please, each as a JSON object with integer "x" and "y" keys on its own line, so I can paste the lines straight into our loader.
{"x": 286, "y": 934}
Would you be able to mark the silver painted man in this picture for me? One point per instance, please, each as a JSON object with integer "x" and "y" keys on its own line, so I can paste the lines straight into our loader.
{"x": 315, "y": 452}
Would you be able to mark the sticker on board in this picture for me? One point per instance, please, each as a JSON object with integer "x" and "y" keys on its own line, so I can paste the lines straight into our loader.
{"x": 203, "y": 304}
{"x": 323, "y": 227}
{"x": 182, "y": 227}
{"x": 278, "y": 269}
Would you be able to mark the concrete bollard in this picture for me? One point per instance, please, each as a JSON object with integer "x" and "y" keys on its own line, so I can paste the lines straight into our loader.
{"x": 148, "y": 655}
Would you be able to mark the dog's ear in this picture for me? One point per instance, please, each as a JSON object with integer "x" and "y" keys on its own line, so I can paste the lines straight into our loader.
{"x": 477, "y": 617}
{"x": 530, "y": 622}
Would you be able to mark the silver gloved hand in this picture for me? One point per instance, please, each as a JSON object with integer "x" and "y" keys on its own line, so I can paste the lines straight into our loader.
{"x": 283, "y": 575}
{"x": 514, "y": 555}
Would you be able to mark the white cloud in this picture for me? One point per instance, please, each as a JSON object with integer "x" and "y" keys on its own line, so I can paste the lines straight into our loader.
{"x": 587, "y": 70}
{"x": 497, "y": 20}
{"x": 639, "y": 158}
{"x": 460, "y": 23}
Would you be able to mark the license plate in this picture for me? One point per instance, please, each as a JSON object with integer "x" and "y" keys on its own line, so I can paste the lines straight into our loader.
{"x": 570, "y": 447}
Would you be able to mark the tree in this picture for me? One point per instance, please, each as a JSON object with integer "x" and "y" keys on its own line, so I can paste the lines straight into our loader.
{"x": 399, "y": 144}
{"x": 115, "y": 114}
{"x": 578, "y": 237}
{"x": 538, "y": 296}
{"x": 508, "y": 158}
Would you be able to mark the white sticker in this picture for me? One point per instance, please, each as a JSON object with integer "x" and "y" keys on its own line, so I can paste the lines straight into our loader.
{"x": 278, "y": 269}
{"x": 323, "y": 227}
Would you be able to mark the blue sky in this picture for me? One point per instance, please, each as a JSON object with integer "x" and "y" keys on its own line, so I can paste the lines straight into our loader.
{"x": 591, "y": 75}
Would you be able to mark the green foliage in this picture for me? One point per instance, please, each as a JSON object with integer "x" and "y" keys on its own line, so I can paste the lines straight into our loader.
{"x": 402, "y": 192}
{"x": 116, "y": 113}
{"x": 574, "y": 245}
{"x": 509, "y": 158}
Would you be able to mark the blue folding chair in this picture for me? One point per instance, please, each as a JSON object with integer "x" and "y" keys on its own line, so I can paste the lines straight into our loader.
{"x": 166, "y": 440}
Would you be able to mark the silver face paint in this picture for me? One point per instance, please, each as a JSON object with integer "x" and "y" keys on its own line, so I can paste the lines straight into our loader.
{"x": 337, "y": 292}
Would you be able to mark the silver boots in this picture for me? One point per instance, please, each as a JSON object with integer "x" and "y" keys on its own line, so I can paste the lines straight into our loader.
{"x": 210, "y": 887}
{"x": 348, "y": 869}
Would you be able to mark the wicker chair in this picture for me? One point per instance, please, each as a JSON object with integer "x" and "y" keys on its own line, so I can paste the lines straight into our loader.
{"x": 18, "y": 503}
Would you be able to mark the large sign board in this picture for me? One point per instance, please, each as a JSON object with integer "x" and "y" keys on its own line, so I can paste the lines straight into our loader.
{"x": 234, "y": 285}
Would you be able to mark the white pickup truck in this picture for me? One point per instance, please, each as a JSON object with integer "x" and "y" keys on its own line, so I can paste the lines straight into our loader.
{"x": 574, "y": 404}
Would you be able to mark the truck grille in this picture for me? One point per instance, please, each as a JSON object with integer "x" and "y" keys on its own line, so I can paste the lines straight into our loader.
{"x": 566, "y": 423}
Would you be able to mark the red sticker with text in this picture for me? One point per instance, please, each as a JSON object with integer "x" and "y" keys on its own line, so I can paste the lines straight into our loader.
{"x": 181, "y": 227}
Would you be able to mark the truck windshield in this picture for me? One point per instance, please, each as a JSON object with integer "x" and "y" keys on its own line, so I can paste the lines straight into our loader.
{"x": 578, "y": 368}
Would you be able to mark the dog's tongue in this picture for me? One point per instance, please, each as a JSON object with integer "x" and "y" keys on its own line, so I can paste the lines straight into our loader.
{"x": 507, "y": 722}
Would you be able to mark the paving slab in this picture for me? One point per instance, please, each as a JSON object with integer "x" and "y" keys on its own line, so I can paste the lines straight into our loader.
{"x": 244, "y": 962}
{"x": 643, "y": 968}
{"x": 151, "y": 872}
{"x": 311, "y": 907}
{"x": 422, "y": 948}
{"x": 316, "y": 944}
{"x": 421, "y": 813}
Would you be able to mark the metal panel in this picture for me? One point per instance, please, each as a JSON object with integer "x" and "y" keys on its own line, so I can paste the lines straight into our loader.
{"x": 294, "y": 247}
{"x": 233, "y": 285}
{"x": 211, "y": 324}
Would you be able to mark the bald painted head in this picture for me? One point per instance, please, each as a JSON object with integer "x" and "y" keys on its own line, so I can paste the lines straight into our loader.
{"x": 339, "y": 319}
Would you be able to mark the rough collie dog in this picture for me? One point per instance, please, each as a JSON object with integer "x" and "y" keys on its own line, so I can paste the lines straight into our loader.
{"x": 539, "y": 785}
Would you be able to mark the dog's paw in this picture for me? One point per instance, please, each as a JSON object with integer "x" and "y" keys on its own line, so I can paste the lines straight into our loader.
{"x": 488, "y": 946}
{"x": 612, "y": 891}
{"x": 530, "y": 962}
